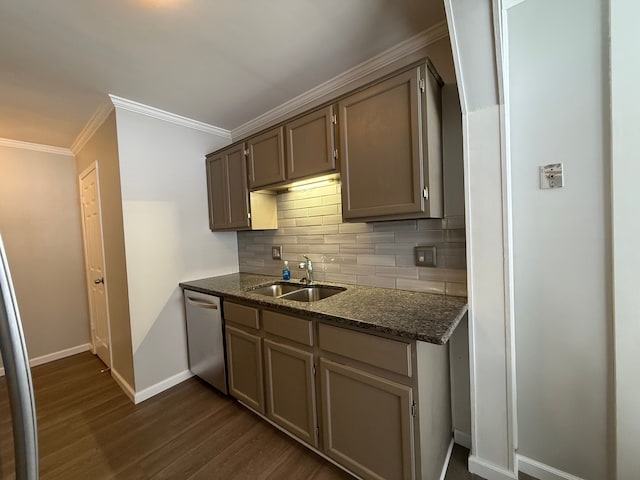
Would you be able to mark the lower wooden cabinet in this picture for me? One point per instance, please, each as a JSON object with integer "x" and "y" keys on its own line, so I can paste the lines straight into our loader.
{"x": 244, "y": 367}
{"x": 291, "y": 393}
{"x": 378, "y": 406}
{"x": 367, "y": 420}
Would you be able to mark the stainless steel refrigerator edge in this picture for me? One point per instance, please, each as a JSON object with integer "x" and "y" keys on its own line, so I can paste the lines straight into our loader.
{"x": 18, "y": 374}
{"x": 205, "y": 338}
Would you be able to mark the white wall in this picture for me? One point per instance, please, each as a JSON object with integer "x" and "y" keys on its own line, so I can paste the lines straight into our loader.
{"x": 167, "y": 236}
{"x": 41, "y": 229}
{"x": 558, "y": 100}
{"x": 625, "y": 104}
{"x": 102, "y": 147}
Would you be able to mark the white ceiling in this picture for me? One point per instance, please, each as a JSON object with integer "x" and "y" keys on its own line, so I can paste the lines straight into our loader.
{"x": 221, "y": 62}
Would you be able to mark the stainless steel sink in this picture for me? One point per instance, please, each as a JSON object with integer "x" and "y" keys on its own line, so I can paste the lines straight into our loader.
{"x": 313, "y": 293}
{"x": 276, "y": 289}
{"x": 297, "y": 292}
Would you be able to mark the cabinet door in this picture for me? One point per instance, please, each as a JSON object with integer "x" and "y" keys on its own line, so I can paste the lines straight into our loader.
{"x": 266, "y": 158}
{"x": 217, "y": 185}
{"x": 238, "y": 191}
{"x": 367, "y": 422}
{"x": 227, "y": 190}
{"x": 380, "y": 149}
{"x": 291, "y": 398}
{"x": 433, "y": 142}
{"x": 244, "y": 366}
{"x": 310, "y": 145}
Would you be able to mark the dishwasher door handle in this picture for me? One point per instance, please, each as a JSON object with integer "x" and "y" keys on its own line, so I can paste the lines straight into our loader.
{"x": 212, "y": 306}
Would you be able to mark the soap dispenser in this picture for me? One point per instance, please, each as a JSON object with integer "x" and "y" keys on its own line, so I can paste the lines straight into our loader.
{"x": 286, "y": 273}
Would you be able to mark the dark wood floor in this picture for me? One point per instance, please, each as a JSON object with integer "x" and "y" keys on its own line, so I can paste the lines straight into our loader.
{"x": 88, "y": 429}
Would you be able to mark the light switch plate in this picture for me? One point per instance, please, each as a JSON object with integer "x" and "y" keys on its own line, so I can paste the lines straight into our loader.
{"x": 276, "y": 252}
{"x": 425, "y": 256}
{"x": 551, "y": 176}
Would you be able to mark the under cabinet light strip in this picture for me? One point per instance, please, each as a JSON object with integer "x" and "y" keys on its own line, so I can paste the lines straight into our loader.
{"x": 308, "y": 186}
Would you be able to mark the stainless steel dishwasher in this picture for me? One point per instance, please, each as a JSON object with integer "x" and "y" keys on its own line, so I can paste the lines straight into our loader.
{"x": 205, "y": 338}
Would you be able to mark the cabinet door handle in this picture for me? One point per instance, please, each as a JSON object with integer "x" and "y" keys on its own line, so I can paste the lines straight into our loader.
{"x": 212, "y": 306}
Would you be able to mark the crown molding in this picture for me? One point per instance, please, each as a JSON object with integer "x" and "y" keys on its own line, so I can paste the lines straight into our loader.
{"x": 94, "y": 123}
{"x": 153, "y": 112}
{"x": 6, "y": 142}
{"x": 393, "y": 54}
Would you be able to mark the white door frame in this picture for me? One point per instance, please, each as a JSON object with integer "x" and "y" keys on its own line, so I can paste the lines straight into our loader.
{"x": 485, "y": 124}
{"x": 84, "y": 173}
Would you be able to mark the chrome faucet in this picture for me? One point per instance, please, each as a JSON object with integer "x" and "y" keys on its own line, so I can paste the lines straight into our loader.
{"x": 308, "y": 267}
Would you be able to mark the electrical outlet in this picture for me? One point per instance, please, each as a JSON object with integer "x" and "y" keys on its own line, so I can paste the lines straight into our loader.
{"x": 276, "y": 252}
{"x": 425, "y": 256}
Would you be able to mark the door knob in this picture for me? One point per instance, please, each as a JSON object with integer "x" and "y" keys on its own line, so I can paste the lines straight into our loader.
{"x": 99, "y": 280}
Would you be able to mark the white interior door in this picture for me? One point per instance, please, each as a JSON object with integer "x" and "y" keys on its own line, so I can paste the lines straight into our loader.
{"x": 94, "y": 262}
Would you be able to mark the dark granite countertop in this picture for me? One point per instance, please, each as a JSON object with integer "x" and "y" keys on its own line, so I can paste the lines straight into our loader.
{"x": 401, "y": 313}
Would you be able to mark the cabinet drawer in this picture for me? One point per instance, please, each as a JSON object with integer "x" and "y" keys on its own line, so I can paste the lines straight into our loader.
{"x": 380, "y": 352}
{"x": 241, "y": 314}
{"x": 286, "y": 326}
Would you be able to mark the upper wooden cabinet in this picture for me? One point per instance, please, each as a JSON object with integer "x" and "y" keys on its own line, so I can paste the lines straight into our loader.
{"x": 386, "y": 140}
{"x": 266, "y": 158}
{"x": 390, "y": 149}
{"x": 231, "y": 205}
{"x": 310, "y": 150}
{"x": 310, "y": 142}
{"x": 227, "y": 190}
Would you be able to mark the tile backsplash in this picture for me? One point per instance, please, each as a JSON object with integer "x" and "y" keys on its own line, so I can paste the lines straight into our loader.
{"x": 377, "y": 254}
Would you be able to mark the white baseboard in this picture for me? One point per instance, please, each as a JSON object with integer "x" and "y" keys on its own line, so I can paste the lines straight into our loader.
{"x": 122, "y": 383}
{"x": 462, "y": 438}
{"x": 50, "y": 357}
{"x": 542, "y": 471}
{"x": 447, "y": 458}
{"x": 489, "y": 470}
{"x": 166, "y": 384}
